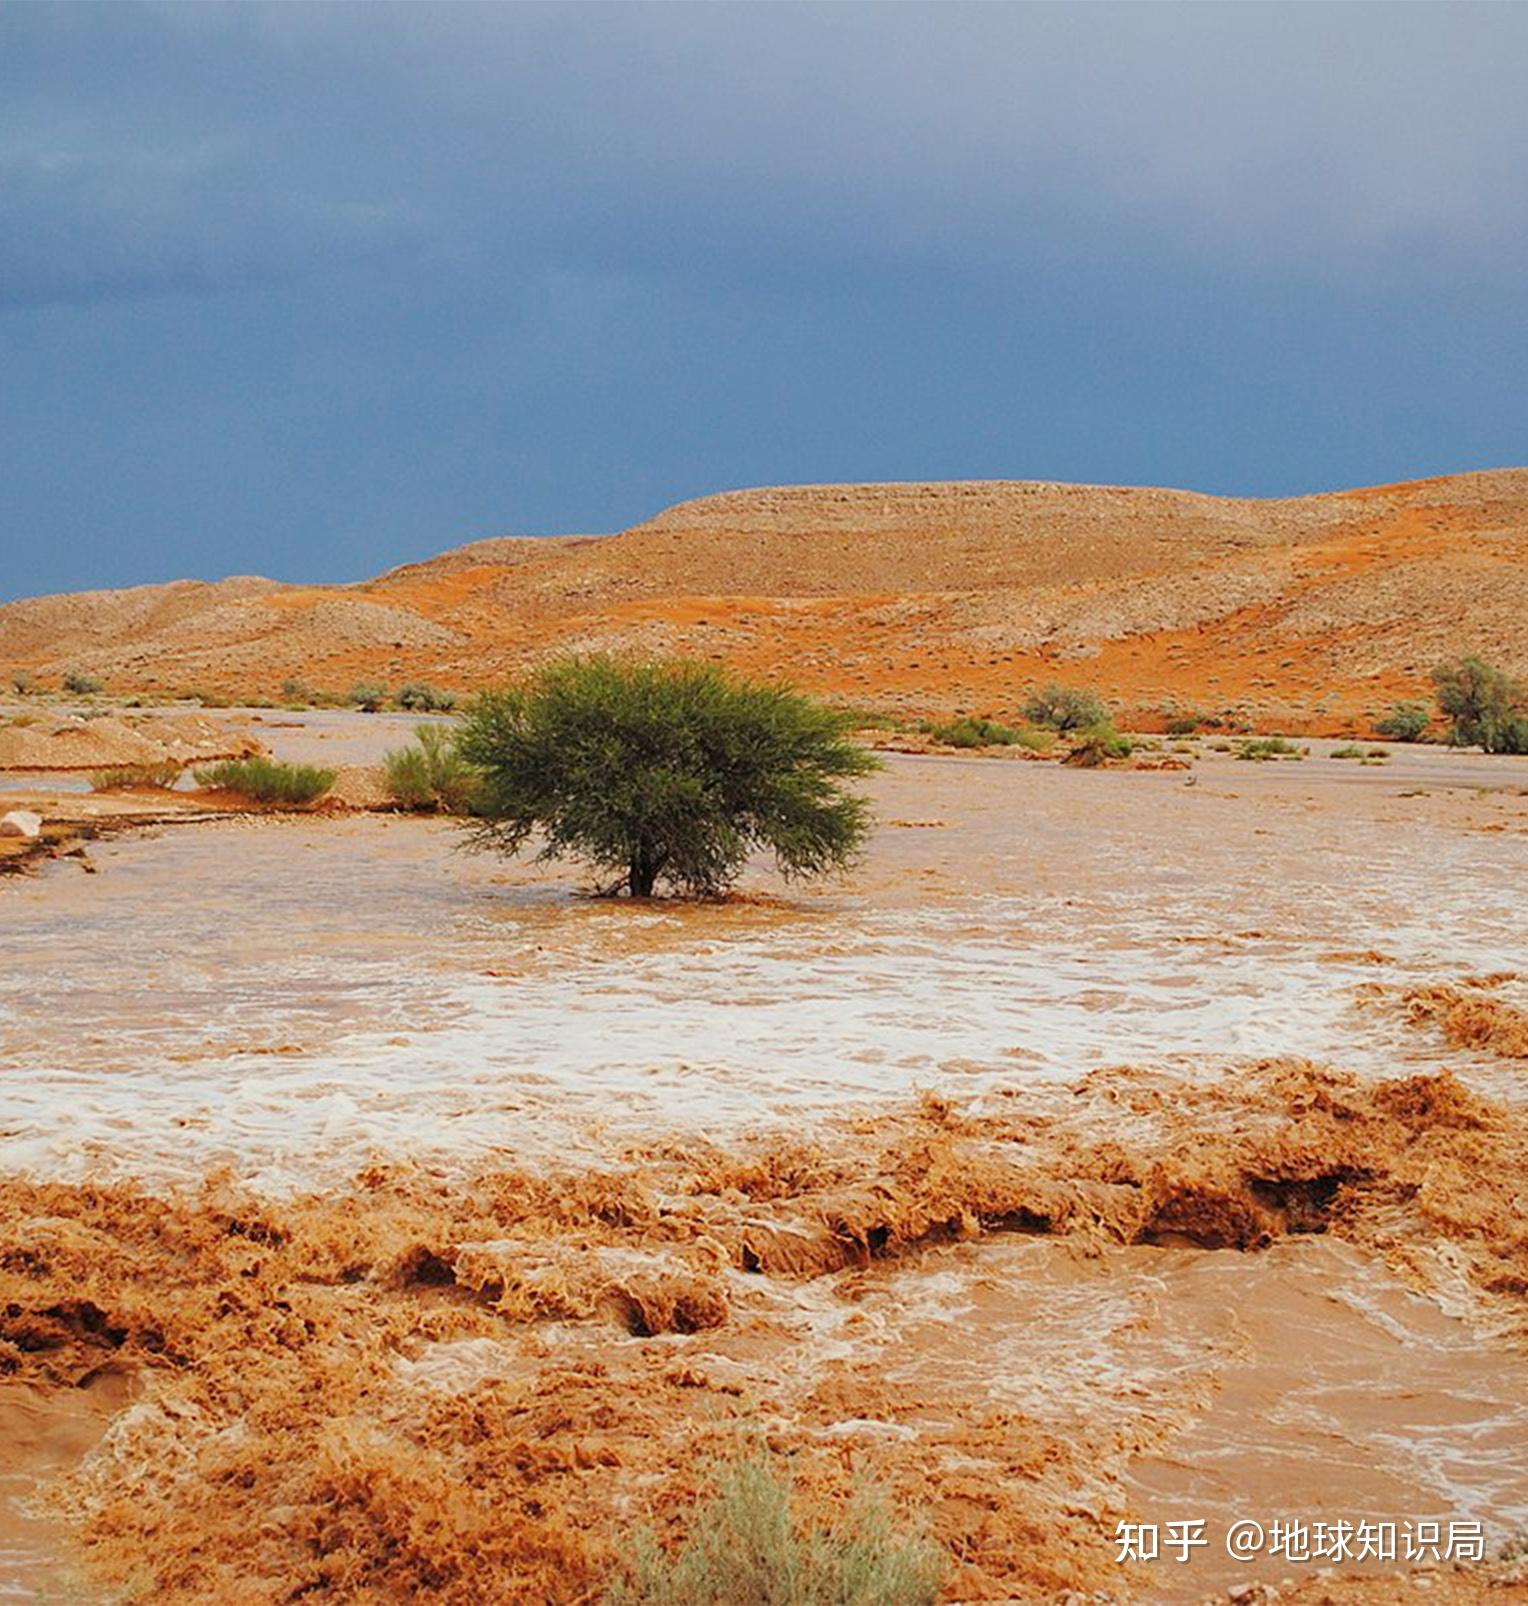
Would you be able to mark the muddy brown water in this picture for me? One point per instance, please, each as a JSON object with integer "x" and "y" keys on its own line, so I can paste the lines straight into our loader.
{"x": 292, "y": 999}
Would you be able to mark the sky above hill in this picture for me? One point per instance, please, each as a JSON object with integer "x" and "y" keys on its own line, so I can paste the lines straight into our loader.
{"x": 309, "y": 290}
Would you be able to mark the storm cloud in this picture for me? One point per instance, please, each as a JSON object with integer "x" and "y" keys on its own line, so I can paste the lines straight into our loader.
{"x": 314, "y": 288}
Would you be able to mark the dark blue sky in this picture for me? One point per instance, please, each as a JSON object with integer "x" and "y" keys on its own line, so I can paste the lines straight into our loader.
{"x": 307, "y": 290}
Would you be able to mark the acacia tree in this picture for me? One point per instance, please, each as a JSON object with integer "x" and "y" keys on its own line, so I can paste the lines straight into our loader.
{"x": 668, "y": 773}
{"x": 1066, "y": 708}
{"x": 1486, "y": 705}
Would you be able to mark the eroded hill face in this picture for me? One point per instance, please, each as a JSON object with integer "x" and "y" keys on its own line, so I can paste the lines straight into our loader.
{"x": 1308, "y": 612}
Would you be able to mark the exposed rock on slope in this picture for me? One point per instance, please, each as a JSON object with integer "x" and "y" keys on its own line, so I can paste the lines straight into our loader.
{"x": 1313, "y": 610}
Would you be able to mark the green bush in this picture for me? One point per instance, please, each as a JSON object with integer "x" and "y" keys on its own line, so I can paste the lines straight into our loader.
{"x": 1405, "y": 722}
{"x": 77, "y": 682}
{"x": 431, "y": 774}
{"x": 164, "y": 774}
{"x": 871, "y": 719}
{"x": 1353, "y": 750}
{"x": 1097, "y": 744}
{"x": 973, "y": 730}
{"x": 1487, "y": 707}
{"x": 746, "y": 1546}
{"x": 1262, "y": 748}
{"x": 266, "y": 781}
{"x": 1183, "y": 724}
{"x": 24, "y": 682}
{"x": 419, "y": 697}
{"x": 367, "y": 695}
{"x": 1066, "y": 708}
{"x": 669, "y": 773}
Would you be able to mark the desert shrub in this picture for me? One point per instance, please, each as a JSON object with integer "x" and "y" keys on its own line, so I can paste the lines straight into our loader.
{"x": 971, "y": 731}
{"x": 746, "y": 1546}
{"x": 1066, "y": 708}
{"x": 1405, "y": 722}
{"x": 1486, "y": 706}
{"x": 668, "y": 772}
{"x": 297, "y": 691}
{"x": 80, "y": 684}
{"x": 1097, "y": 744}
{"x": 974, "y": 730}
{"x": 1262, "y": 748}
{"x": 161, "y": 773}
{"x": 1352, "y": 750}
{"x": 419, "y": 697}
{"x": 1183, "y": 724}
{"x": 367, "y": 695}
{"x": 265, "y": 780}
{"x": 872, "y": 719}
{"x": 431, "y": 774}
{"x": 23, "y": 682}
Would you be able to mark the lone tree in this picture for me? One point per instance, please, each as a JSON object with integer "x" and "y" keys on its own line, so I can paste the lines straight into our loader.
{"x": 666, "y": 772}
{"x": 1487, "y": 706}
{"x": 1066, "y": 708}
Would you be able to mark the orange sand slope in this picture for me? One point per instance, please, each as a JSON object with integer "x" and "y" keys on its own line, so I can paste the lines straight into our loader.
{"x": 1310, "y": 611}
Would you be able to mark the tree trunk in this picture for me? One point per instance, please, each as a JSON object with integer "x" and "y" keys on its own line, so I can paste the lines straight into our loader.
{"x": 642, "y": 876}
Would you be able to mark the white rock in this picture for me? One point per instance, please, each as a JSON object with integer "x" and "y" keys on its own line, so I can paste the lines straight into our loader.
{"x": 21, "y": 822}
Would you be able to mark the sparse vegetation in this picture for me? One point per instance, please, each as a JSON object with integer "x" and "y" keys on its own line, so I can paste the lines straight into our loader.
{"x": 80, "y": 684}
{"x": 1097, "y": 745}
{"x": 1352, "y": 750}
{"x": 1486, "y": 706}
{"x": 747, "y": 1546}
{"x": 1260, "y": 749}
{"x": 419, "y": 697}
{"x": 431, "y": 774}
{"x": 162, "y": 774}
{"x": 872, "y": 719}
{"x": 264, "y": 780}
{"x": 1183, "y": 724}
{"x": 1406, "y": 722}
{"x": 368, "y": 696}
{"x": 973, "y": 730}
{"x": 298, "y": 693}
{"x": 667, "y": 772}
{"x": 23, "y": 682}
{"x": 1066, "y": 708}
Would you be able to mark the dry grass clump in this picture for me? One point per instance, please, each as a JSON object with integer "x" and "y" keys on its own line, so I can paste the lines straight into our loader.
{"x": 431, "y": 774}
{"x": 1470, "y": 1018}
{"x": 264, "y": 780}
{"x": 161, "y": 775}
{"x": 747, "y": 1546}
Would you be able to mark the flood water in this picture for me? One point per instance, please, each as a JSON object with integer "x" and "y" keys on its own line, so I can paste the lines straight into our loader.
{"x": 292, "y": 998}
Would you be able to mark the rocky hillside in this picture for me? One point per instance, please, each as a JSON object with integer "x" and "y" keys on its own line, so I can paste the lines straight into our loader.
{"x": 1306, "y": 612}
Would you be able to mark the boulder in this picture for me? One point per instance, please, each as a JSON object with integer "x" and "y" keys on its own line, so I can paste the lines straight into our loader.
{"x": 22, "y": 823}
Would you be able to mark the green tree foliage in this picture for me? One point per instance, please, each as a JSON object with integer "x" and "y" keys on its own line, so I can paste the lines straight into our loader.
{"x": 1066, "y": 708}
{"x": 368, "y": 696}
{"x": 666, "y": 773}
{"x": 1405, "y": 722}
{"x": 420, "y": 697}
{"x": 1486, "y": 706}
{"x": 746, "y": 1546}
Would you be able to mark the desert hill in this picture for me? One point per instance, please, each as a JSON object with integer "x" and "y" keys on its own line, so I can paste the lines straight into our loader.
{"x": 1305, "y": 612}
